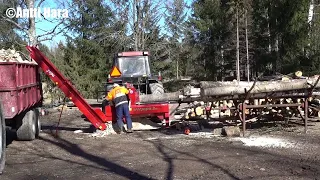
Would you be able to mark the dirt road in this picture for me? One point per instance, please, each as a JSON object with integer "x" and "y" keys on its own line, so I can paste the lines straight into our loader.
{"x": 165, "y": 154}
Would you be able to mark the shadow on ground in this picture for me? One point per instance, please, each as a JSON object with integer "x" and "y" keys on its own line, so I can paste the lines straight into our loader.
{"x": 74, "y": 149}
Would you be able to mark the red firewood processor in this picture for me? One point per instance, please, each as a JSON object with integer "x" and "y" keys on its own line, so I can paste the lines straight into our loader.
{"x": 130, "y": 69}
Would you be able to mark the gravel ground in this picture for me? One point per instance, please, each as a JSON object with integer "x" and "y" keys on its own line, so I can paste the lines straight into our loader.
{"x": 162, "y": 154}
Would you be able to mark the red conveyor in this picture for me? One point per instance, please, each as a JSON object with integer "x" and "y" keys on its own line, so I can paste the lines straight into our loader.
{"x": 95, "y": 116}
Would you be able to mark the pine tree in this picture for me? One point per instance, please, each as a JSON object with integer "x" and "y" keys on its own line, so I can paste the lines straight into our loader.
{"x": 175, "y": 18}
{"x": 89, "y": 53}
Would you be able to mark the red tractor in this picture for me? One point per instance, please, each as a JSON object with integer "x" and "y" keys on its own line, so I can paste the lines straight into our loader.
{"x": 134, "y": 69}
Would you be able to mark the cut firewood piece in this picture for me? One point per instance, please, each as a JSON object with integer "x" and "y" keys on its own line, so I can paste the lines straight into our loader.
{"x": 231, "y": 131}
{"x": 288, "y": 100}
{"x": 196, "y": 103}
{"x": 178, "y": 117}
{"x": 199, "y": 111}
{"x": 193, "y": 114}
{"x": 230, "y": 104}
{"x": 298, "y": 73}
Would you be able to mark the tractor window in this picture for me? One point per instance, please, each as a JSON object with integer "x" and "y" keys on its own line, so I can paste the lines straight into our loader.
{"x": 134, "y": 66}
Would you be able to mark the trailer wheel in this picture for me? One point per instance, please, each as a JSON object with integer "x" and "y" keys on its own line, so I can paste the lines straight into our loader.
{"x": 38, "y": 123}
{"x": 27, "y": 127}
{"x": 2, "y": 140}
{"x": 156, "y": 88}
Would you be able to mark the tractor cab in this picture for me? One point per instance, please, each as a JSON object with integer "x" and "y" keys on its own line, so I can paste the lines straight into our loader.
{"x": 134, "y": 68}
{"x": 133, "y": 64}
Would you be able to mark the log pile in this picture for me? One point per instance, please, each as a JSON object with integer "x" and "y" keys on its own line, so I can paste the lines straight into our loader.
{"x": 241, "y": 88}
{"x": 11, "y": 55}
{"x": 227, "y": 108}
{"x": 195, "y": 110}
{"x": 220, "y": 99}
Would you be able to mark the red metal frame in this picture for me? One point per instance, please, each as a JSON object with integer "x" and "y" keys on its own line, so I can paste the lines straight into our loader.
{"x": 133, "y": 53}
{"x": 146, "y": 110}
{"x": 160, "y": 110}
{"x": 95, "y": 116}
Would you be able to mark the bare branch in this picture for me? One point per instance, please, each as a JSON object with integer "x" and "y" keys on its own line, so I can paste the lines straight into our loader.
{"x": 41, "y": 1}
{"x": 15, "y": 23}
{"x": 52, "y": 31}
{"x": 53, "y": 34}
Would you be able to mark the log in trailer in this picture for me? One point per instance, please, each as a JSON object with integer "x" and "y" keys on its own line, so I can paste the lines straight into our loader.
{"x": 21, "y": 94}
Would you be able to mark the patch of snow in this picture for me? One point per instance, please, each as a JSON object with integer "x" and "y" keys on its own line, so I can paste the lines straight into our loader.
{"x": 265, "y": 141}
{"x": 202, "y": 134}
{"x": 152, "y": 138}
{"x": 162, "y": 137}
{"x": 78, "y": 131}
{"x": 99, "y": 134}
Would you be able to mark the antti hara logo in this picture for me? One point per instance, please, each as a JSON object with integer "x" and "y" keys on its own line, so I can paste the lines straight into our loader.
{"x": 37, "y": 13}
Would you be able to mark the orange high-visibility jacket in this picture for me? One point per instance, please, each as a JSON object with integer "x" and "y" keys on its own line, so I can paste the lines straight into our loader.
{"x": 118, "y": 95}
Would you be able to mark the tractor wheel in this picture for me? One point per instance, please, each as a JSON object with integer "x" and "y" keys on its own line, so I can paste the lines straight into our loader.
{"x": 27, "y": 126}
{"x": 156, "y": 88}
{"x": 2, "y": 140}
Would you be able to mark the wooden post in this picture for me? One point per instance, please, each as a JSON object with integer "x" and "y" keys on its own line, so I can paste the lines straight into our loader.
{"x": 243, "y": 118}
{"x": 305, "y": 114}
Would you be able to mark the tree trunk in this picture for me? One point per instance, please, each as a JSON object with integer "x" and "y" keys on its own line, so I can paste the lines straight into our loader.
{"x": 32, "y": 25}
{"x": 247, "y": 47}
{"x": 214, "y": 84}
{"x": 238, "y": 53}
{"x": 239, "y": 88}
{"x": 135, "y": 25}
{"x": 163, "y": 98}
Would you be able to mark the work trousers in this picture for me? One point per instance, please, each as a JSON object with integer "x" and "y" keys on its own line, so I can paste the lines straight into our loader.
{"x": 123, "y": 110}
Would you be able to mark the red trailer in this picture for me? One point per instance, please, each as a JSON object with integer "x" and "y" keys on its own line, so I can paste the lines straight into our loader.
{"x": 20, "y": 96}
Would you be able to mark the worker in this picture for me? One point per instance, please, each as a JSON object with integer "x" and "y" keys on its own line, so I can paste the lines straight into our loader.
{"x": 105, "y": 102}
{"x": 119, "y": 97}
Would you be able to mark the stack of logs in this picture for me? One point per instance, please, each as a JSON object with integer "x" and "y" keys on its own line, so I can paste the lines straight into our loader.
{"x": 227, "y": 108}
{"x": 234, "y": 89}
{"x": 240, "y": 88}
{"x": 11, "y": 55}
{"x": 227, "y": 95}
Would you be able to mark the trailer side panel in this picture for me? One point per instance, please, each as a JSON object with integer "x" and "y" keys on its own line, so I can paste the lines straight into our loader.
{"x": 20, "y": 87}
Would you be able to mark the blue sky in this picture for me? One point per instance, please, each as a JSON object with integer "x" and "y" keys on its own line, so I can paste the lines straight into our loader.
{"x": 44, "y": 26}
